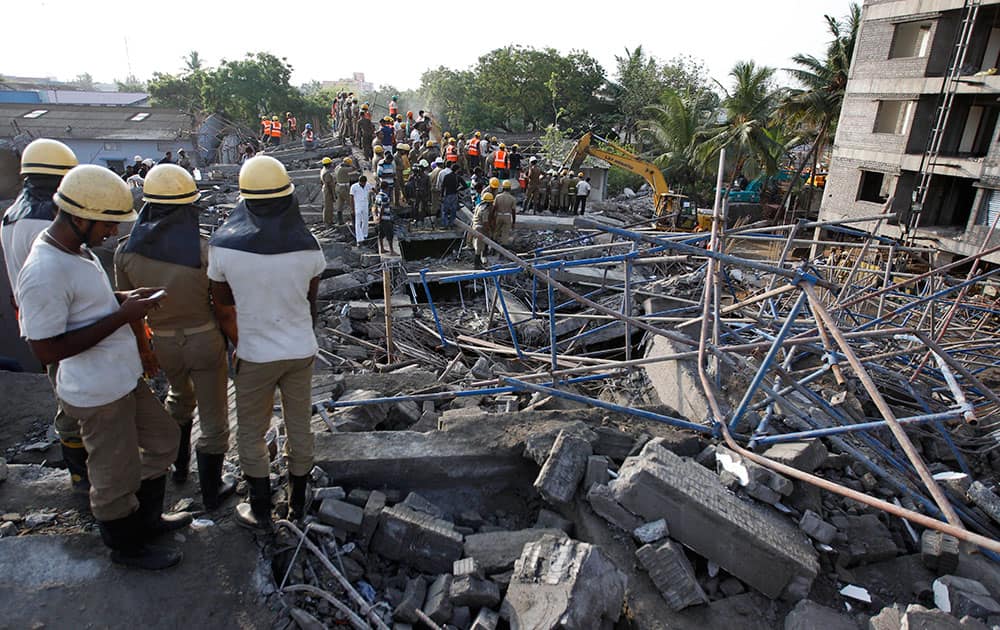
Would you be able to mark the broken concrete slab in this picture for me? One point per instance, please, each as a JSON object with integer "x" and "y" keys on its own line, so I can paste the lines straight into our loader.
{"x": 341, "y": 514}
{"x": 373, "y": 509}
{"x": 671, "y": 572}
{"x": 547, "y": 519}
{"x": 563, "y": 583}
{"x": 424, "y": 542}
{"x": 816, "y": 528}
{"x": 359, "y": 417}
{"x": 676, "y": 383}
{"x": 807, "y": 455}
{"x": 750, "y": 473}
{"x": 495, "y": 552}
{"x": 604, "y": 503}
{"x": 474, "y": 592}
{"x": 985, "y": 499}
{"x": 758, "y": 546}
{"x": 30, "y": 487}
{"x": 917, "y": 617}
{"x": 438, "y": 606}
{"x": 413, "y": 599}
{"x": 962, "y": 596}
{"x": 419, "y": 504}
{"x": 538, "y": 445}
{"x": 808, "y": 615}
{"x": 564, "y": 469}
{"x": 651, "y": 532}
{"x": 486, "y": 620}
{"x": 597, "y": 471}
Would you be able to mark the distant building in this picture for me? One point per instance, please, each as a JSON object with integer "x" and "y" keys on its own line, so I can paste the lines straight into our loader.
{"x": 40, "y": 90}
{"x": 903, "y": 71}
{"x": 356, "y": 84}
{"x": 100, "y": 134}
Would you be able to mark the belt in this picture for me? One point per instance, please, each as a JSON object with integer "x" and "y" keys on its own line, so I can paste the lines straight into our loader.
{"x": 173, "y": 332}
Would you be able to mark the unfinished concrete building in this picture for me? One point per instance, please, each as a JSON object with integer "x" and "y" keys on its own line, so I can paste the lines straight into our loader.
{"x": 919, "y": 123}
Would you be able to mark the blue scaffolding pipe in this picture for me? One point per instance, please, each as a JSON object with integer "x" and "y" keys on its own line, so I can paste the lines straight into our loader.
{"x": 595, "y": 402}
{"x": 488, "y": 391}
{"x": 552, "y": 327}
{"x": 506, "y": 315}
{"x": 853, "y": 428}
{"x": 765, "y": 365}
{"x": 434, "y": 313}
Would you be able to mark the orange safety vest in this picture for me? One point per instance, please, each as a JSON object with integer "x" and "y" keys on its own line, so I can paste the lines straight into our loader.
{"x": 393, "y": 108}
{"x": 309, "y": 135}
{"x": 500, "y": 159}
{"x": 267, "y": 127}
{"x": 473, "y": 147}
{"x": 292, "y": 123}
{"x": 451, "y": 153}
{"x": 276, "y": 129}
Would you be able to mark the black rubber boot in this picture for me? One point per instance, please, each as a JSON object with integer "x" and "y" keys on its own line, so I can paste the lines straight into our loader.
{"x": 124, "y": 536}
{"x": 183, "y": 462}
{"x": 297, "y": 485}
{"x": 156, "y": 523}
{"x": 75, "y": 456}
{"x": 256, "y": 514}
{"x": 214, "y": 489}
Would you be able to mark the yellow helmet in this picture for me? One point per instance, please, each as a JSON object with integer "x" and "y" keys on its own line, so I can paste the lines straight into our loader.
{"x": 515, "y": 147}
{"x": 274, "y": 118}
{"x": 431, "y": 143}
{"x": 580, "y": 174}
{"x": 47, "y": 157}
{"x": 378, "y": 148}
{"x": 494, "y": 182}
{"x": 402, "y": 146}
{"x": 503, "y": 146}
{"x": 461, "y": 136}
{"x": 487, "y": 197}
{"x": 493, "y": 138}
{"x": 447, "y": 134}
{"x": 364, "y": 107}
{"x": 451, "y": 141}
{"x": 169, "y": 184}
{"x": 348, "y": 161}
{"x": 263, "y": 177}
{"x": 479, "y": 135}
{"x": 93, "y": 192}
{"x": 326, "y": 161}
{"x": 506, "y": 184}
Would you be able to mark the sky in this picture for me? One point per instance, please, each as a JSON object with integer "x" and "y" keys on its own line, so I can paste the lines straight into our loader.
{"x": 110, "y": 40}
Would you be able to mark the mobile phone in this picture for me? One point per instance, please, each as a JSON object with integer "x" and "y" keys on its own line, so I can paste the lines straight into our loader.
{"x": 156, "y": 296}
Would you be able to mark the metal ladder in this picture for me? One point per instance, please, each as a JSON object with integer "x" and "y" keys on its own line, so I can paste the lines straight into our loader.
{"x": 946, "y": 99}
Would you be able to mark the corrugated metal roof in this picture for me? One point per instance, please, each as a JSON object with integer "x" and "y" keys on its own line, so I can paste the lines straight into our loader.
{"x": 94, "y": 122}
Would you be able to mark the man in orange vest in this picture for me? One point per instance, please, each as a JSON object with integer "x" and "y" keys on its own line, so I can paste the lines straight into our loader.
{"x": 293, "y": 125}
{"x": 472, "y": 152}
{"x": 451, "y": 152}
{"x": 265, "y": 124}
{"x": 275, "y": 131}
{"x": 501, "y": 162}
{"x": 394, "y": 106}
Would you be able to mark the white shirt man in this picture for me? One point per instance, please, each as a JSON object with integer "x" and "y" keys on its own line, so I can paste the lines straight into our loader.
{"x": 360, "y": 193}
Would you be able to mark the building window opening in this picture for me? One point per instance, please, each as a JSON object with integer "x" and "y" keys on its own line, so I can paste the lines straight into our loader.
{"x": 911, "y": 39}
{"x": 873, "y": 187}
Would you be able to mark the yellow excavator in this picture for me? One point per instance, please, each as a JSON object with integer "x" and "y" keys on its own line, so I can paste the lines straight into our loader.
{"x": 670, "y": 210}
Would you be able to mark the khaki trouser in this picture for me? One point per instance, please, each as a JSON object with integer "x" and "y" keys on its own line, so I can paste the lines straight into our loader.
{"x": 67, "y": 428}
{"x": 127, "y": 441}
{"x": 343, "y": 201}
{"x": 195, "y": 365}
{"x": 504, "y": 232}
{"x": 328, "y": 204}
{"x": 255, "y": 384}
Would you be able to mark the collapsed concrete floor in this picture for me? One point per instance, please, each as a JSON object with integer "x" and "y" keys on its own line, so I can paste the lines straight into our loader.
{"x": 447, "y": 495}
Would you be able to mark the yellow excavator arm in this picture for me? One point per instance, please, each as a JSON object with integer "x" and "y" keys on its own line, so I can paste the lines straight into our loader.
{"x": 667, "y": 204}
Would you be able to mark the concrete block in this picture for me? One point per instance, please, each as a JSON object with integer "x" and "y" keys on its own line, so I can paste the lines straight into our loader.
{"x": 867, "y": 540}
{"x": 466, "y": 566}
{"x": 917, "y": 617}
{"x": 754, "y": 544}
{"x": 334, "y": 492}
{"x": 816, "y": 528}
{"x": 651, "y": 532}
{"x": 597, "y": 471}
{"x": 672, "y": 574}
{"x": 425, "y": 543}
{"x": 807, "y": 455}
{"x": 369, "y": 522}
{"x": 564, "y": 469}
{"x": 419, "y": 504}
{"x": 547, "y": 519}
{"x": 985, "y": 499}
{"x": 359, "y": 497}
{"x": 437, "y": 606}
{"x": 486, "y": 620}
{"x": 461, "y": 617}
{"x": 938, "y": 551}
{"x": 496, "y": 552}
{"x": 563, "y": 583}
{"x": 962, "y": 596}
{"x": 750, "y": 472}
{"x": 808, "y": 615}
{"x": 413, "y": 599}
{"x": 359, "y": 417}
{"x": 613, "y": 443}
{"x": 604, "y": 503}
{"x": 341, "y": 514}
{"x": 474, "y": 592}
{"x": 889, "y": 618}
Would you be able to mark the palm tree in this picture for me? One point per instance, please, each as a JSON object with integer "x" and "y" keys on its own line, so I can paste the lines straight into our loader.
{"x": 815, "y": 107}
{"x": 674, "y": 127}
{"x": 748, "y": 109}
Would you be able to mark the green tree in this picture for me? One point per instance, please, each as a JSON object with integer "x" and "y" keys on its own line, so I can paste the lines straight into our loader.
{"x": 639, "y": 82}
{"x": 131, "y": 84}
{"x": 815, "y": 107}
{"x": 748, "y": 107}
{"x": 674, "y": 128}
{"x": 84, "y": 81}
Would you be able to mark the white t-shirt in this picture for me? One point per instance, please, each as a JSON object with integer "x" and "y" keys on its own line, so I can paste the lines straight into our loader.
{"x": 360, "y": 195}
{"x": 582, "y": 188}
{"x": 16, "y": 240}
{"x": 58, "y": 292}
{"x": 272, "y": 305}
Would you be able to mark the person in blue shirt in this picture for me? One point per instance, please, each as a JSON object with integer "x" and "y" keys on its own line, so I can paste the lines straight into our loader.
{"x": 383, "y": 214}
